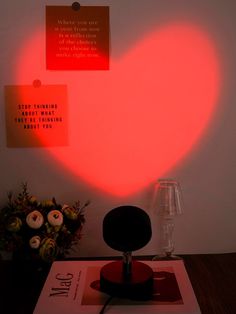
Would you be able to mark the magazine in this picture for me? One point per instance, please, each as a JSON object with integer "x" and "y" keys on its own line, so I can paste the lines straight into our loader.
{"x": 74, "y": 287}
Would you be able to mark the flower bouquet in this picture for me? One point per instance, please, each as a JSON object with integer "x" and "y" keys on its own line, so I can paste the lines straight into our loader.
{"x": 39, "y": 230}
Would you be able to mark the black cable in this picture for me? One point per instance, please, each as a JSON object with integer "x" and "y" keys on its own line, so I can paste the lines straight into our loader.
{"x": 105, "y": 304}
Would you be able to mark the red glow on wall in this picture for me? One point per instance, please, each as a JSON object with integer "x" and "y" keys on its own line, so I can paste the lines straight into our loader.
{"x": 130, "y": 125}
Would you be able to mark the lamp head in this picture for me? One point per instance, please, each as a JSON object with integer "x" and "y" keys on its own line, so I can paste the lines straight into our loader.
{"x": 127, "y": 228}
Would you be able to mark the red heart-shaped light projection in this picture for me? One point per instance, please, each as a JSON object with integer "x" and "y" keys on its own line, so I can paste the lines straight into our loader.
{"x": 130, "y": 125}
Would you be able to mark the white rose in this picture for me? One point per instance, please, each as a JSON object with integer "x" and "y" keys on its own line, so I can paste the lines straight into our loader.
{"x": 34, "y": 242}
{"x": 34, "y": 219}
{"x": 55, "y": 218}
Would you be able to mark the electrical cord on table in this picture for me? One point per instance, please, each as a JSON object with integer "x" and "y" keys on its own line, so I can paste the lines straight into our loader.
{"x": 105, "y": 304}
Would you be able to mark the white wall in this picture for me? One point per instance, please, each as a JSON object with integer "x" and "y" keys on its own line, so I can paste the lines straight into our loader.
{"x": 207, "y": 174}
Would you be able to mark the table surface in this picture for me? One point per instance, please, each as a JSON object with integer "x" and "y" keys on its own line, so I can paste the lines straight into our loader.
{"x": 213, "y": 277}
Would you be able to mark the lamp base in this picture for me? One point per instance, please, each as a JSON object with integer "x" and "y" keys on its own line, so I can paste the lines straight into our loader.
{"x": 137, "y": 286}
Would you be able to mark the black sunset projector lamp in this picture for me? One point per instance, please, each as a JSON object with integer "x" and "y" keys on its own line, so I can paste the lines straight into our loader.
{"x": 127, "y": 229}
